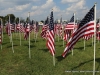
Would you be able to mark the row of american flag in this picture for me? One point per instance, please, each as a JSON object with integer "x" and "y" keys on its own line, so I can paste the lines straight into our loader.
{"x": 70, "y": 32}
{"x": 26, "y": 29}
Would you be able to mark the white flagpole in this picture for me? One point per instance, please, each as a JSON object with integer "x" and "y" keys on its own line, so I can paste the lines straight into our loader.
{"x": 29, "y": 44}
{"x": 58, "y": 32}
{"x": 20, "y": 32}
{"x": 62, "y": 30}
{"x": 73, "y": 30}
{"x": 54, "y": 59}
{"x": 36, "y": 34}
{"x": 63, "y": 35}
{"x": 94, "y": 38}
{"x": 9, "y": 30}
{"x": 84, "y": 44}
{"x": 2, "y": 29}
{"x": 29, "y": 37}
{"x": 1, "y": 33}
{"x": 99, "y": 30}
{"x": 11, "y": 36}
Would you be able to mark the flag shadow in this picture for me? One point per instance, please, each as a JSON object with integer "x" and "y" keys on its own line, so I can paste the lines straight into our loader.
{"x": 5, "y": 43}
{"x": 81, "y": 64}
{"x": 31, "y": 46}
{"x": 45, "y": 50}
{"x": 89, "y": 45}
{"x": 33, "y": 41}
{"x": 60, "y": 58}
{"x": 79, "y": 48}
{"x": 11, "y": 46}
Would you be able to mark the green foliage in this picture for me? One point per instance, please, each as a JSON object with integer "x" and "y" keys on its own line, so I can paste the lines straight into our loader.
{"x": 41, "y": 62}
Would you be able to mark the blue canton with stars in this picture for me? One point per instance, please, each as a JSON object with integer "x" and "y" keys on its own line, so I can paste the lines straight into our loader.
{"x": 72, "y": 19}
{"x": 51, "y": 25}
{"x": 89, "y": 17}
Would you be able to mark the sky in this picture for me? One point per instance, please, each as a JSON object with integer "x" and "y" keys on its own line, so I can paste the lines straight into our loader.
{"x": 40, "y": 9}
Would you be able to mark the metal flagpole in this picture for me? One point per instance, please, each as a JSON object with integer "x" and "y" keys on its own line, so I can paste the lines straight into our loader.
{"x": 63, "y": 35}
{"x": 62, "y": 30}
{"x": 99, "y": 30}
{"x": 94, "y": 38}
{"x": 11, "y": 36}
{"x": 2, "y": 29}
{"x": 36, "y": 33}
{"x": 1, "y": 33}
{"x": 73, "y": 30}
{"x": 53, "y": 53}
{"x": 29, "y": 36}
{"x": 9, "y": 30}
{"x": 54, "y": 59}
{"x": 84, "y": 44}
{"x": 20, "y": 32}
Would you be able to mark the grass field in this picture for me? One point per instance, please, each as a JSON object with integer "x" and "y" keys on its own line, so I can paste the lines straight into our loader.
{"x": 41, "y": 62}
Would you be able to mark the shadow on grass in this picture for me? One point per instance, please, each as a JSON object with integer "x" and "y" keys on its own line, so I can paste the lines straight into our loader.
{"x": 5, "y": 43}
{"x": 89, "y": 45}
{"x": 11, "y": 46}
{"x": 79, "y": 48}
{"x": 31, "y": 46}
{"x": 81, "y": 64}
{"x": 33, "y": 41}
{"x": 45, "y": 50}
{"x": 60, "y": 45}
{"x": 60, "y": 58}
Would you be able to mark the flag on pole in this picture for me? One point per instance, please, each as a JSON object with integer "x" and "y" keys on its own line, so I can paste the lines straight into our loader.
{"x": 8, "y": 29}
{"x": 45, "y": 29}
{"x": 69, "y": 28}
{"x": 50, "y": 38}
{"x": 27, "y": 31}
{"x": 86, "y": 28}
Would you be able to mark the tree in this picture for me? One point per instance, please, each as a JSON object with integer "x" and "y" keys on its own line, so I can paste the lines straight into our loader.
{"x": 12, "y": 18}
{"x": 2, "y": 19}
{"x": 42, "y": 21}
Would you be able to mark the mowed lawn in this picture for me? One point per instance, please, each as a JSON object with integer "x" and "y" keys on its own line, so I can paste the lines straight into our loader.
{"x": 41, "y": 62}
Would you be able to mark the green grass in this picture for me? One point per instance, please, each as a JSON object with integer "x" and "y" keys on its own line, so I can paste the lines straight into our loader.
{"x": 41, "y": 62}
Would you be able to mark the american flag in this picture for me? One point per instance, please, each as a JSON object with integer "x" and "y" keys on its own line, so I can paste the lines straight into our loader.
{"x": 98, "y": 30}
{"x": 8, "y": 29}
{"x": 50, "y": 38}
{"x": 69, "y": 28}
{"x": 71, "y": 25}
{"x": 86, "y": 28}
{"x": 20, "y": 28}
{"x": 44, "y": 29}
{"x": 27, "y": 31}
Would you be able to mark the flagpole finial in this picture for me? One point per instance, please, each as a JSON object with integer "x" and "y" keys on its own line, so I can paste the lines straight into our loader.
{"x": 74, "y": 12}
{"x": 52, "y": 9}
{"x": 95, "y": 3}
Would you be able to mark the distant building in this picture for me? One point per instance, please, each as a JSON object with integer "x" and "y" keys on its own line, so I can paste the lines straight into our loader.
{"x": 40, "y": 23}
{"x": 63, "y": 21}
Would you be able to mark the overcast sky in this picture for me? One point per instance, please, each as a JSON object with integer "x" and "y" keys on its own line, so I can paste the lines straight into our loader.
{"x": 40, "y": 9}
